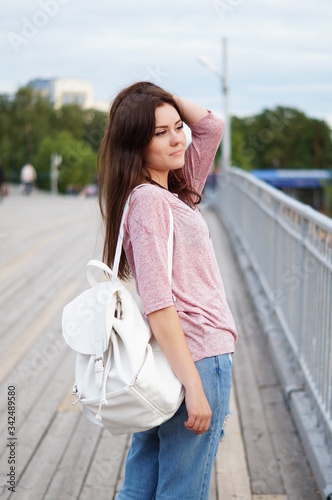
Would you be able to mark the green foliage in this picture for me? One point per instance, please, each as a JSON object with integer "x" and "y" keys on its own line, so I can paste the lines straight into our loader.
{"x": 78, "y": 165}
{"x": 94, "y": 128}
{"x": 23, "y": 124}
{"x": 70, "y": 117}
{"x": 31, "y": 130}
{"x": 281, "y": 138}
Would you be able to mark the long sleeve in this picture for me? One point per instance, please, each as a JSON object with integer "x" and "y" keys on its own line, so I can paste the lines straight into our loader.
{"x": 206, "y": 137}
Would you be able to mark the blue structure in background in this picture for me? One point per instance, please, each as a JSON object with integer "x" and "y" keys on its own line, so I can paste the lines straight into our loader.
{"x": 303, "y": 185}
{"x": 293, "y": 178}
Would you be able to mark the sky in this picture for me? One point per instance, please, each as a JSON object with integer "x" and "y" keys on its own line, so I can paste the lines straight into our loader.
{"x": 279, "y": 51}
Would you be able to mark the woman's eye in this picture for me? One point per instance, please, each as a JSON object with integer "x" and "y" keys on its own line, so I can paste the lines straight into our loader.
{"x": 159, "y": 134}
{"x": 180, "y": 127}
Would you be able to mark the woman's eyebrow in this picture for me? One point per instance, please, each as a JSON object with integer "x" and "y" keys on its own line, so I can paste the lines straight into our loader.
{"x": 166, "y": 126}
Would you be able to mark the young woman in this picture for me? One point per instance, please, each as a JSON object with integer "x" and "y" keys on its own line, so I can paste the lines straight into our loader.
{"x": 145, "y": 144}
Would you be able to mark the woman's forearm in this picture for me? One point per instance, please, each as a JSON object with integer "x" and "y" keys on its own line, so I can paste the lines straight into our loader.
{"x": 166, "y": 328}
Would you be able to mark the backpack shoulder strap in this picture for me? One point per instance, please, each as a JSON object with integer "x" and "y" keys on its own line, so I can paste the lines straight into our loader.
{"x": 116, "y": 262}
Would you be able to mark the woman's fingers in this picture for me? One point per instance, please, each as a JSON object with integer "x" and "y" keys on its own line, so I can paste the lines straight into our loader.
{"x": 198, "y": 421}
{"x": 199, "y": 427}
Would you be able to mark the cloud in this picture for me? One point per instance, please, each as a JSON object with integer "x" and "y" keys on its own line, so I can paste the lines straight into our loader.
{"x": 279, "y": 51}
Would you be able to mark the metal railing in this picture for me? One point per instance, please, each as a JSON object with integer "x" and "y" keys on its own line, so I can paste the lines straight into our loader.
{"x": 289, "y": 246}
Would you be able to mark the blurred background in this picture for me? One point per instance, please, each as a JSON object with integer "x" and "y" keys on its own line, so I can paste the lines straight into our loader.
{"x": 265, "y": 67}
{"x": 63, "y": 62}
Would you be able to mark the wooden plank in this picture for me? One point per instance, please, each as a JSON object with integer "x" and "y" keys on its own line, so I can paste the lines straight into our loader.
{"x": 18, "y": 264}
{"x": 34, "y": 225}
{"x": 20, "y": 347}
{"x": 43, "y": 358}
{"x": 32, "y": 429}
{"x": 213, "y": 484}
{"x": 35, "y": 371}
{"x": 69, "y": 475}
{"x": 43, "y": 463}
{"x": 294, "y": 468}
{"x": 271, "y": 497}
{"x": 106, "y": 472}
{"x": 43, "y": 282}
{"x": 233, "y": 479}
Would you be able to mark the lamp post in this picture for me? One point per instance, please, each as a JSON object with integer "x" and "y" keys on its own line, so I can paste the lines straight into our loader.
{"x": 56, "y": 161}
{"x": 226, "y": 148}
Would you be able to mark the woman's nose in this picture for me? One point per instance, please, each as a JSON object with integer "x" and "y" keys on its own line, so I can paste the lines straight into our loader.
{"x": 174, "y": 138}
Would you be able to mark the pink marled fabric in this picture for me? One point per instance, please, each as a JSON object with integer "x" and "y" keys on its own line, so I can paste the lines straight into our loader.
{"x": 197, "y": 286}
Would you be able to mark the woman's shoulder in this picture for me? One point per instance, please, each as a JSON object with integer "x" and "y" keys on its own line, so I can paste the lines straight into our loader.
{"x": 149, "y": 195}
{"x": 143, "y": 190}
{"x": 149, "y": 208}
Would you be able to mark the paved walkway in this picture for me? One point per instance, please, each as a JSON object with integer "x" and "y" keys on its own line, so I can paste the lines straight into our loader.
{"x": 44, "y": 244}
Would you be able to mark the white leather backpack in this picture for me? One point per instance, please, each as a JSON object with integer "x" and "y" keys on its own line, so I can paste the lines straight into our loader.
{"x": 123, "y": 379}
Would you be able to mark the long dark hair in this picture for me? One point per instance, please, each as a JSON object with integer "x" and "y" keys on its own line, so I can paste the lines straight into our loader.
{"x": 129, "y": 131}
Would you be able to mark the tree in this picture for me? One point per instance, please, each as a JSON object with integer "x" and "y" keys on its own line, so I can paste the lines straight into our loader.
{"x": 240, "y": 156}
{"x": 281, "y": 138}
{"x": 30, "y": 130}
{"x": 70, "y": 117}
{"x": 94, "y": 127}
{"x": 24, "y": 122}
{"x": 78, "y": 165}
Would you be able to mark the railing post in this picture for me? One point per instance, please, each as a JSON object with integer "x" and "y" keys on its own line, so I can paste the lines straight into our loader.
{"x": 275, "y": 204}
{"x": 304, "y": 228}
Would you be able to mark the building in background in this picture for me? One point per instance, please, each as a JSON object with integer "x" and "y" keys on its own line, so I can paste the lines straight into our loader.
{"x": 303, "y": 185}
{"x": 62, "y": 91}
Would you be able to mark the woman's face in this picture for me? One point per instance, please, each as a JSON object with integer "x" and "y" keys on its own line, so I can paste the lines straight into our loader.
{"x": 166, "y": 150}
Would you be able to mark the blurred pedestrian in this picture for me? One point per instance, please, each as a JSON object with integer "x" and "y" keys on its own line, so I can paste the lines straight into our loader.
{"x": 28, "y": 178}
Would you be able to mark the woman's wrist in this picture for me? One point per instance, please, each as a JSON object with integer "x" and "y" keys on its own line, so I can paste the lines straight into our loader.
{"x": 193, "y": 383}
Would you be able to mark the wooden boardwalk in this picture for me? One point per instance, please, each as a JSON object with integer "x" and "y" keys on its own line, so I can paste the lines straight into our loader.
{"x": 44, "y": 244}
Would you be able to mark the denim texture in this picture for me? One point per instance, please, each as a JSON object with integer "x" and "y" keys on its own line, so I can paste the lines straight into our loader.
{"x": 170, "y": 462}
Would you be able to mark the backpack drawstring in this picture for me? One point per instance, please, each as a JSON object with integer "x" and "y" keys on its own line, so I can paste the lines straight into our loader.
{"x": 103, "y": 400}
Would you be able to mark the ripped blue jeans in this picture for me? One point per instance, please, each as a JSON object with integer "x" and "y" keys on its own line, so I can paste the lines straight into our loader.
{"x": 171, "y": 463}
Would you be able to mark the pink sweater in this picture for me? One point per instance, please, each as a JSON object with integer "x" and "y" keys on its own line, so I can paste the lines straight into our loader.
{"x": 197, "y": 290}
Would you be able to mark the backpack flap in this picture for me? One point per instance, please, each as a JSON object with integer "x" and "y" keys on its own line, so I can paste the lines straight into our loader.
{"x": 87, "y": 320}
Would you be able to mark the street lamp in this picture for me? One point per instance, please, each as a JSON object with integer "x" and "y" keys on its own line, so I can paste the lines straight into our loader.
{"x": 226, "y": 148}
